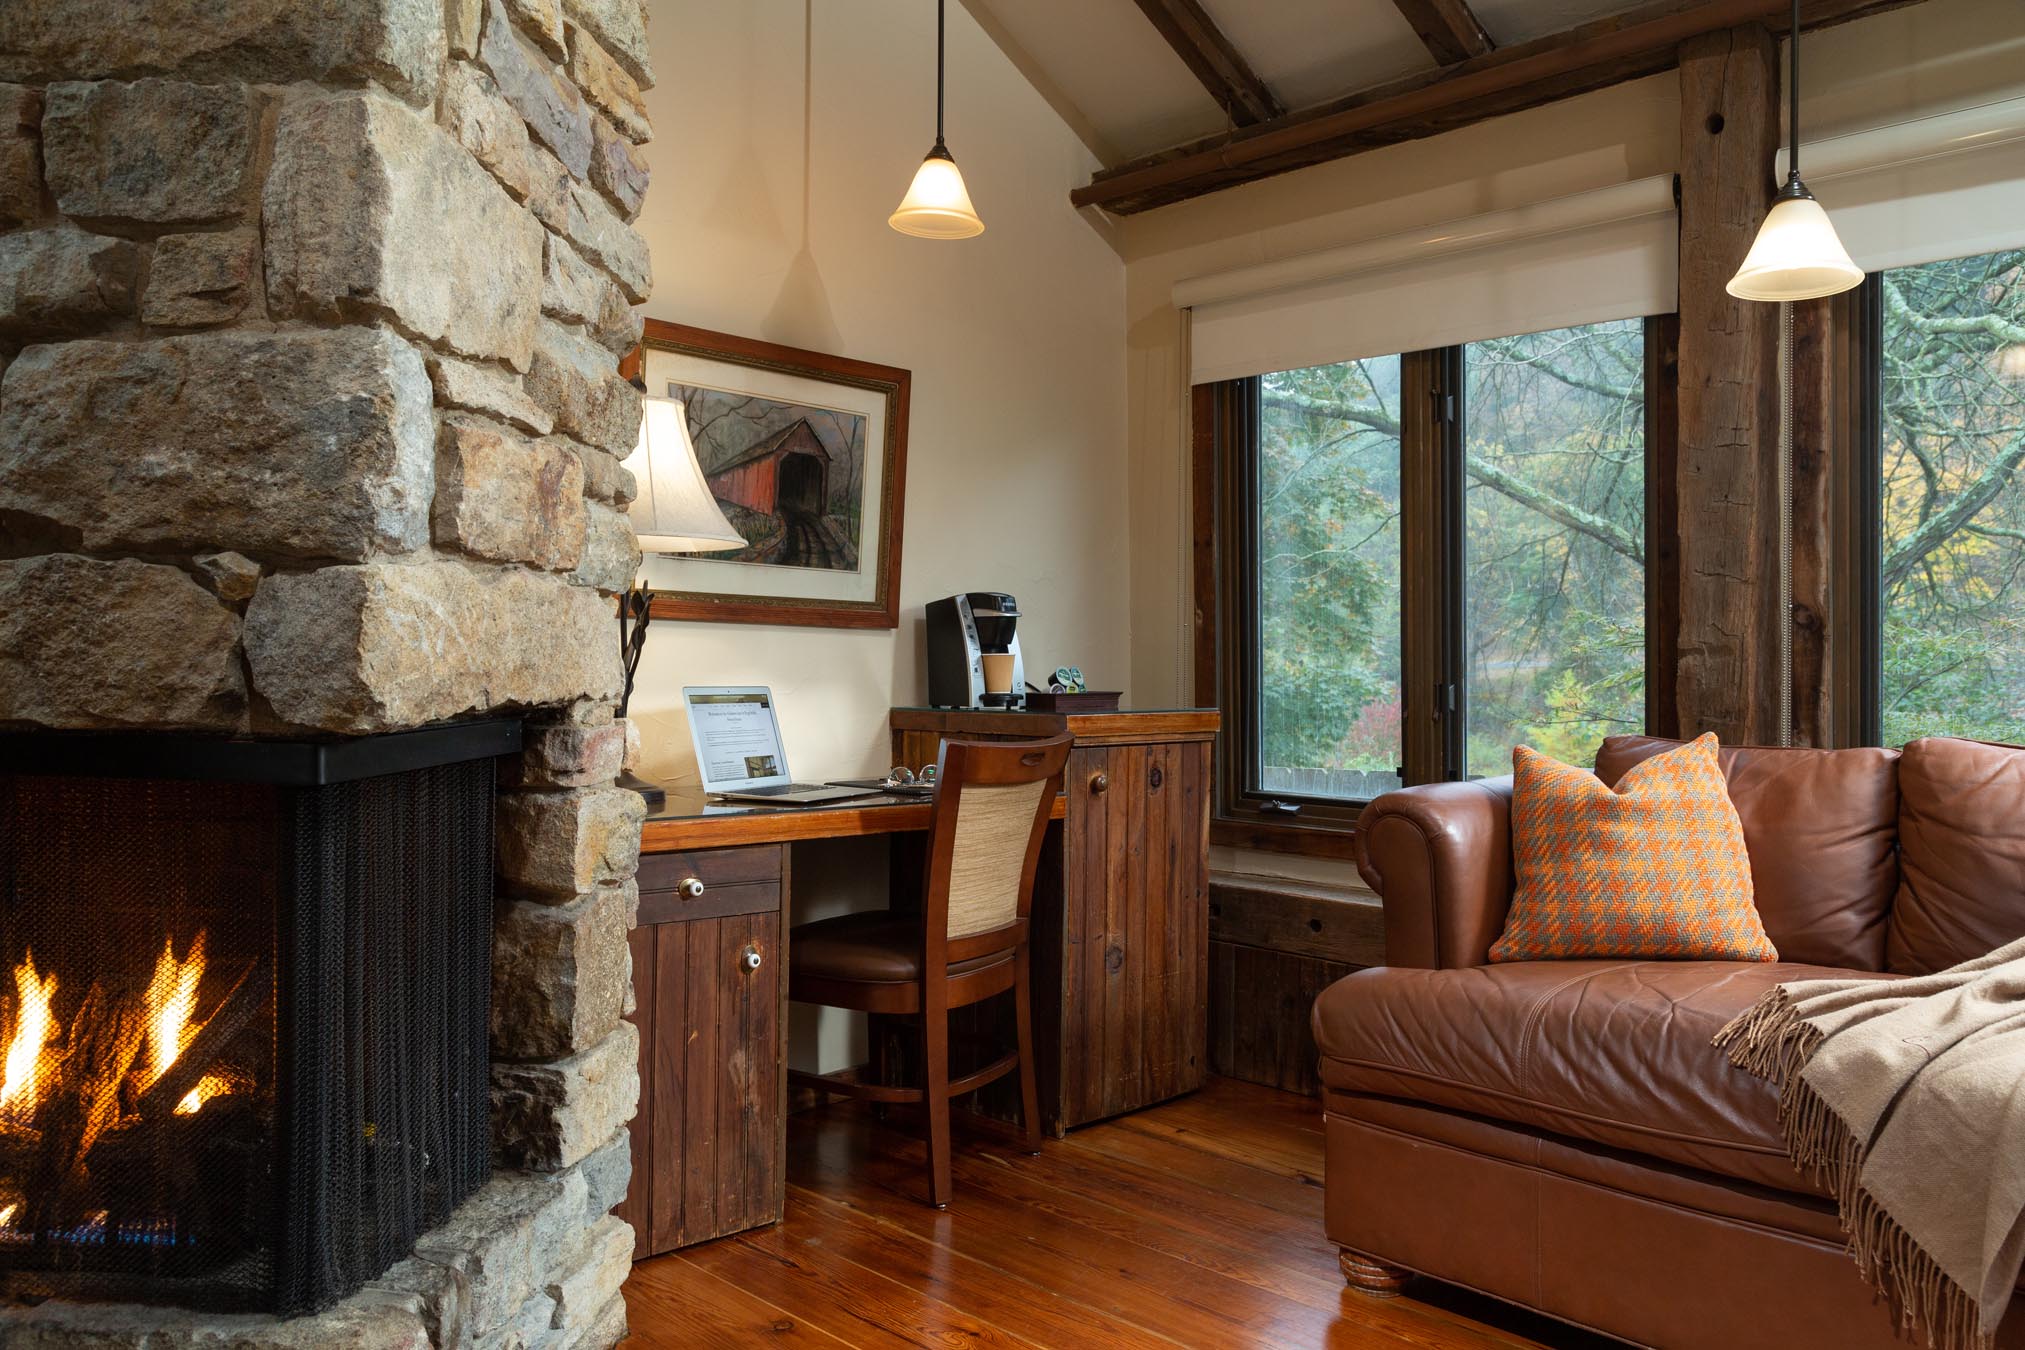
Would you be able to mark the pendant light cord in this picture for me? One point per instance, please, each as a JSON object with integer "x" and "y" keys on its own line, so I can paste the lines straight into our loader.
{"x": 941, "y": 12}
{"x": 1793, "y": 96}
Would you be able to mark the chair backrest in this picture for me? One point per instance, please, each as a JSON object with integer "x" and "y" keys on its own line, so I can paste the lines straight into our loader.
{"x": 992, "y": 805}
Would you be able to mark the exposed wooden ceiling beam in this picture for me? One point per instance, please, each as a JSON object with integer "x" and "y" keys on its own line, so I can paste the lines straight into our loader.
{"x": 1448, "y": 29}
{"x": 1205, "y": 50}
{"x": 1593, "y": 55}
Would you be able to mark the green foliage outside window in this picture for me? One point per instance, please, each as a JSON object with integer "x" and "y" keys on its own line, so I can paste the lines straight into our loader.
{"x": 1952, "y": 405}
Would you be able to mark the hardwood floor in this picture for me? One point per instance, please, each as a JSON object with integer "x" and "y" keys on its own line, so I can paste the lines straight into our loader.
{"x": 1197, "y": 1223}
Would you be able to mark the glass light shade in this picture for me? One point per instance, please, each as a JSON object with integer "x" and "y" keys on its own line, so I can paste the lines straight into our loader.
{"x": 937, "y": 205}
{"x": 674, "y": 511}
{"x": 1796, "y": 256}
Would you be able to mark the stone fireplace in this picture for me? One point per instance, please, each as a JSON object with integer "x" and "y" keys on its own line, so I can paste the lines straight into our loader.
{"x": 310, "y": 434}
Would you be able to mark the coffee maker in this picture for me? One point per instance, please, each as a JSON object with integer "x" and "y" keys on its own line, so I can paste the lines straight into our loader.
{"x": 969, "y": 638}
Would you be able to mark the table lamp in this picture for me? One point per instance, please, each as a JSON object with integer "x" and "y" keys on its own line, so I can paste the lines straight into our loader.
{"x": 673, "y": 513}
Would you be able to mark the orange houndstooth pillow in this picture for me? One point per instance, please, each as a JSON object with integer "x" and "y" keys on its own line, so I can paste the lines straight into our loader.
{"x": 1654, "y": 868}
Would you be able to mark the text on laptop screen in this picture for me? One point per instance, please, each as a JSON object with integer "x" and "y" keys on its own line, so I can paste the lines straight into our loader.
{"x": 737, "y": 739}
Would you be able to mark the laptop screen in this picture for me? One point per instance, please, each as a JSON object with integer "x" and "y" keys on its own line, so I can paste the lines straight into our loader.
{"x": 737, "y": 738}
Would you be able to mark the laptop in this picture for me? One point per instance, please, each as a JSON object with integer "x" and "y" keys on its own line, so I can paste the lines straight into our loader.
{"x": 738, "y": 749}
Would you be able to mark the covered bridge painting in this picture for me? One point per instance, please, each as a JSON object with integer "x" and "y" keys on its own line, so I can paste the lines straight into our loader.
{"x": 790, "y": 476}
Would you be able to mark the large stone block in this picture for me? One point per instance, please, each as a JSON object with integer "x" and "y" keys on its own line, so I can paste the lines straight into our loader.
{"x": 620, "y": 26}
{"x": 568, "y": 756}
{"x": 369, "y": 1320}
{"x": 556, "y": 113}
{"x": 619, "y": 324}
{"x": 487, "y": 126}
{"x": 559, "y": 845}
{"x": 59, "y": 280}
{"x": 20, "y": 154}
{"x": 607, "y": 1174}
{"x": 502, "y": 497}
{"x": 606, "y": 478}
{"x": 487, "y": 389}
{"x": 611, "y": 553}
{"x": 159, "y": 152}
{"x": 571, "y": 289}
{"x": 541, "y": 20}
{"x": 596, "y": 1265}
{"x": 578, "y": 382}
{"x": 85, "y": 643}
{"x": 559, "y": 975}
{"x": 370, "y": 205}
{"x": 299, "y": 444}
{"x": 384, "y": 646}
{"x": 503, "y": 1241}
{"x": 606, "y": 84}
{"x": 396, "y": 42}
{"x": 547, "y": 1117}
{"x": 608, "y": 241}
{"x": 200, "y": 279}
{"x": 617, "y": 169}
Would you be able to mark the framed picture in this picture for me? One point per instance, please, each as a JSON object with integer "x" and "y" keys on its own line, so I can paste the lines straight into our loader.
{"x": 806, "y": 454}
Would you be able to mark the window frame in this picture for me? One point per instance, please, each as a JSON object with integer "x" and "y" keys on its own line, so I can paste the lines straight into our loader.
{"x": 1434, "y": 708}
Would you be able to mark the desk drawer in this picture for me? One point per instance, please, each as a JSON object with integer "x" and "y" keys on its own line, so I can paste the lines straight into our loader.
{"x": 711, "y": 883}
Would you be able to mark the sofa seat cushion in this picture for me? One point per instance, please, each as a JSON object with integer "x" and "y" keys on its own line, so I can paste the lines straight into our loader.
{"x": 1615, "y": 1052}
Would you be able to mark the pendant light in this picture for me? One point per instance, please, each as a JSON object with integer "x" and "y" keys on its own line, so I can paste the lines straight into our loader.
{"x": 1796, "y": 255}
{"x": 937, "y": 206}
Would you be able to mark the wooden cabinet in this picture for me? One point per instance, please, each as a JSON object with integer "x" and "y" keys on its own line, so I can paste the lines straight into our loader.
{"x": 709, "y": 983}
{"x": 1121, "y": 907}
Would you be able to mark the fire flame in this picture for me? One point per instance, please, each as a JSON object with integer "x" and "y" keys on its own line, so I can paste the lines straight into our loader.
{"x": 20, "y": 1090}
{"x": 172, "y": 993}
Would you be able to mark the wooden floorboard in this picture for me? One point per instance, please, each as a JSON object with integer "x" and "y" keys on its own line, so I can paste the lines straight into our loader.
{"x": 1194, "y": 1224}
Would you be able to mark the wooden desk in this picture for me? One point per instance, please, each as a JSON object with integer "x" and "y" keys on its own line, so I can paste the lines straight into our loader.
{"x": 709, "y": 995}
{"x": 1120, "y": 922}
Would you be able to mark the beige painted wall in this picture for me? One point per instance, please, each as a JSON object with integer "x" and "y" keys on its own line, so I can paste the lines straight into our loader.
{"x": 1932, "y": 57}
{"x": 786, "y": 131}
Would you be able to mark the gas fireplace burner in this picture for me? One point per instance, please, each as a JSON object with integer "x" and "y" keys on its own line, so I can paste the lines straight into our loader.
{"x": 244, "y": 989}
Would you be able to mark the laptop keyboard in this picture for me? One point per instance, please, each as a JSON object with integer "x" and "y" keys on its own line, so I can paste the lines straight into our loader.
{"x": 780, "y": 789}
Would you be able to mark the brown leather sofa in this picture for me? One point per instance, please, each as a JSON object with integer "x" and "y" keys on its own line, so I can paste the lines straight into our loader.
{"x": 1561, "y": 1134}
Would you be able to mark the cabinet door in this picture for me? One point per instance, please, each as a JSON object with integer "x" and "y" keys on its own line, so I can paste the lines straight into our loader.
{"x": 707, "y": 1139}
{"x": 1135, "y": 949}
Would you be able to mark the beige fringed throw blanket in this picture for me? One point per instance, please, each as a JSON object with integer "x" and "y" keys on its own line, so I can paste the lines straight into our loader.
{"x": 1907, "y": 1097}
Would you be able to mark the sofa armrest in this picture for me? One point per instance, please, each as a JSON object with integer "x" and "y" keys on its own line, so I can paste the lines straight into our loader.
{"x": 1440, "y": 857}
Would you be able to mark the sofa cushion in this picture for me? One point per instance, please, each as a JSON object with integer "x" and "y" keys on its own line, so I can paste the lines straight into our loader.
{"x": 1652, "y": 867}
{"x": 1615, "y": 1052}
{"x": 1821, "y": 826}
{"x": 1961, "y": 830}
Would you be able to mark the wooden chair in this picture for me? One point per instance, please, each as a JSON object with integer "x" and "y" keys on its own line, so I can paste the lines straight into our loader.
{"x": 967, "y": 943}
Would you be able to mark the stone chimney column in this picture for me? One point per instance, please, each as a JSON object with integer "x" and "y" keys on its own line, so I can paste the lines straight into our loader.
{"x": 310, "y": 421}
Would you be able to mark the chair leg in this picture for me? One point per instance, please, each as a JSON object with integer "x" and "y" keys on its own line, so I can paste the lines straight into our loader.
{"x": 1023, "y": 1016}
{"x": 880, "y": 1034}
{"x": 935, "y": 1075}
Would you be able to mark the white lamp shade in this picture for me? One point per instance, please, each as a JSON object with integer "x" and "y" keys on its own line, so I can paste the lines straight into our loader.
{"x": 937, "y": 205}
{"x": 1796, "y": 256}
{"x": 674, "y": 511}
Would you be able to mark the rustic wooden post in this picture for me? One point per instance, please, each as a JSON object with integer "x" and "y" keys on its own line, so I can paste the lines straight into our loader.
{"x": 1726, "y": 478}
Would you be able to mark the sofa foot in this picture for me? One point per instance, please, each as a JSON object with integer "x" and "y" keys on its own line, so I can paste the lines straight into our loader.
{"x": 1371, "y": 1277}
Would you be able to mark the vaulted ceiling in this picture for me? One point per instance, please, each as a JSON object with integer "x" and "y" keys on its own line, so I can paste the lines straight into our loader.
{"x": 1119, "y": 81}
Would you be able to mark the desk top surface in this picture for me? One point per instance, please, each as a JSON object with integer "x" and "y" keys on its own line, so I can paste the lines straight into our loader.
{"x": 691, "y": 819}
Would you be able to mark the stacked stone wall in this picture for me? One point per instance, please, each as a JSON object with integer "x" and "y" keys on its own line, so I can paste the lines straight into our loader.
{"x": 310, "y": 421}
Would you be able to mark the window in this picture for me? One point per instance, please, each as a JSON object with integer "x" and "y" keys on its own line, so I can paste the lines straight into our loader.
{"x": 1426, "y": 560}
{"x": 1555, "y": 543}
{"x": 1949, "y": 338}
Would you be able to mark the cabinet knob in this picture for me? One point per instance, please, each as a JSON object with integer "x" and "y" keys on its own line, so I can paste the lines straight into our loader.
{"x": 691, "y": 887}
{"x": 1100, "y": 783}
{"x": 750, "y": 958}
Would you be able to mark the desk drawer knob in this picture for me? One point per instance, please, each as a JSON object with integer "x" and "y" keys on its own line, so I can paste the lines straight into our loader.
{"x": 1100, "y": 783}
{"x": 691, "y": 887}
{"x": 750, "y": 958}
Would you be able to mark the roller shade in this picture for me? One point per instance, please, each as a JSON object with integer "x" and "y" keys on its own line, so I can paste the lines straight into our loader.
{"x": 1607, "y": 254}
{"x": 1947, "y": 186}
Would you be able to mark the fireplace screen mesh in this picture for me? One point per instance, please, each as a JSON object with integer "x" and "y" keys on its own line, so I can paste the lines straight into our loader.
{"x": 244, "y": 1031}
